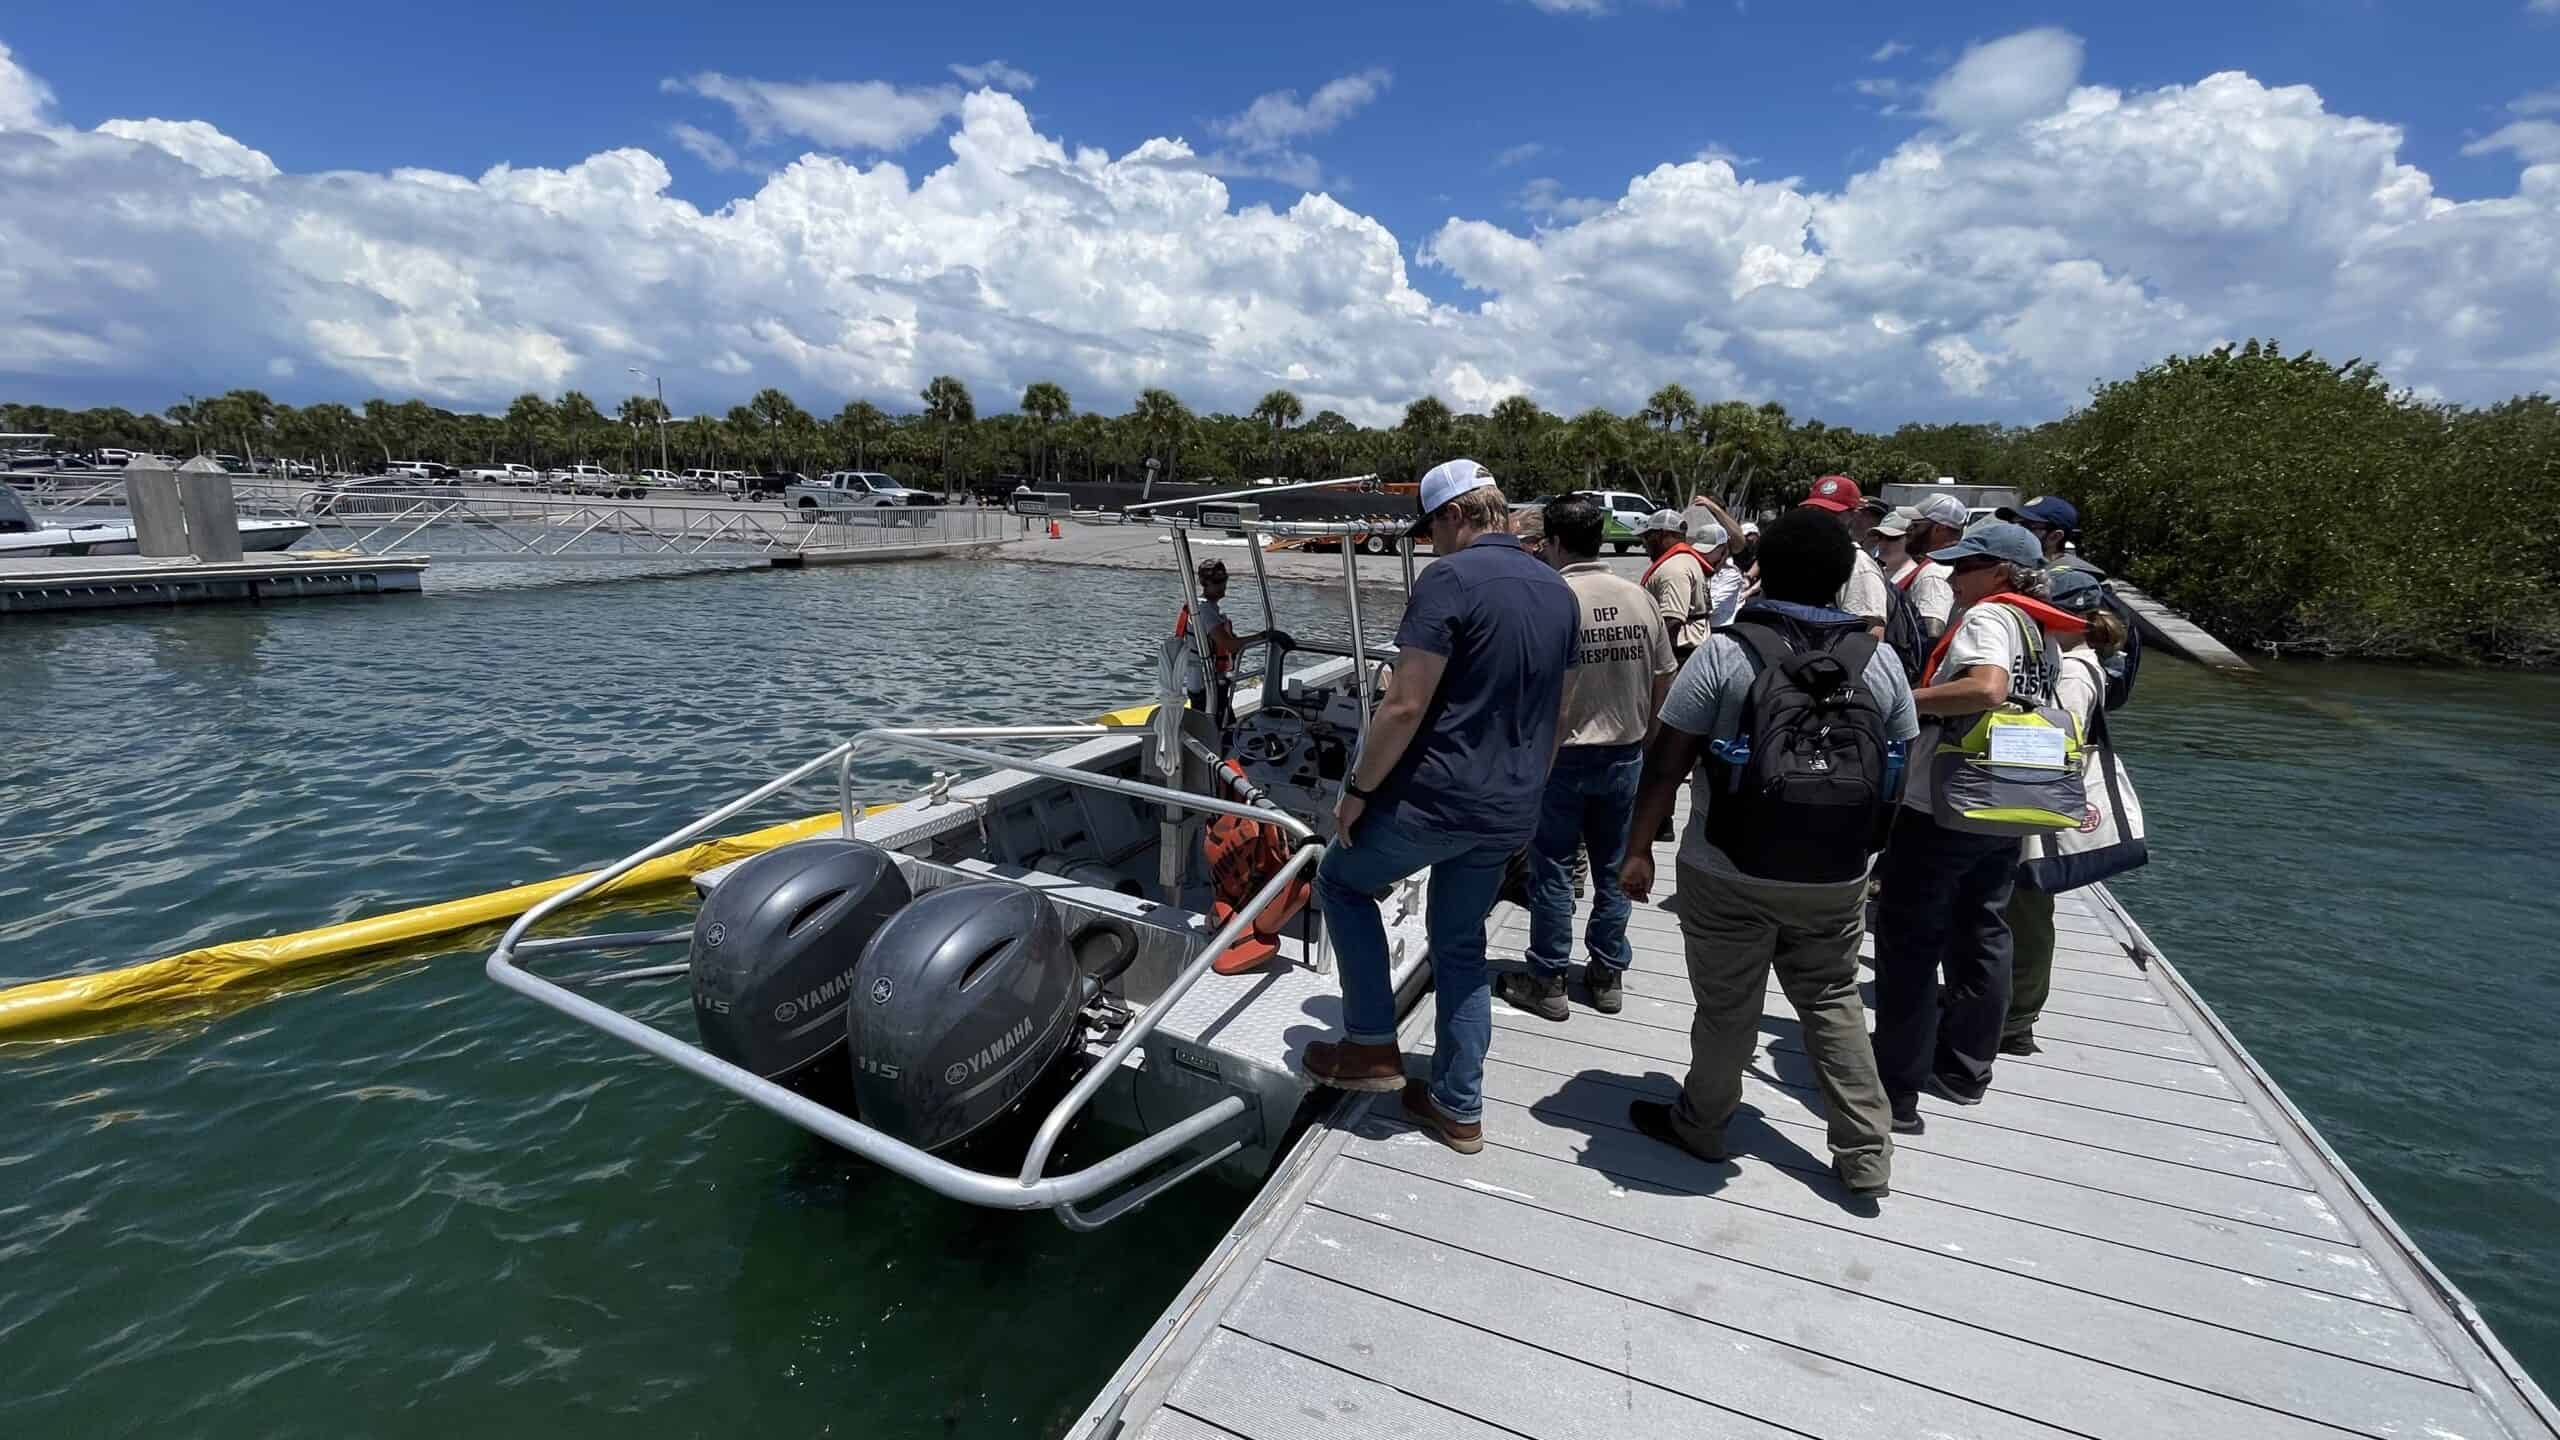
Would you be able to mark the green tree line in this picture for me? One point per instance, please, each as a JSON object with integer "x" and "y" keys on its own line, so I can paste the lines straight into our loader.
{"x": 2281, "y": 501}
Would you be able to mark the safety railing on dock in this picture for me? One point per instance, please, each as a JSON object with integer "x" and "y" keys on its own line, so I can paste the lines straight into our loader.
{"x": 460, "y": 524}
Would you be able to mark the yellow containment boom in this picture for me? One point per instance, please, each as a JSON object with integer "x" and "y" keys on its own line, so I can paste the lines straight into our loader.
{"x": 201, "y": 974}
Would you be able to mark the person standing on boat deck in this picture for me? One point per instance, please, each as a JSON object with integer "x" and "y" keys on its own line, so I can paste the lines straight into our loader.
{"x": 1945, "y": 894}
{"x": 1449, "y": 779}
{"x": 1208, "y": 614}
{"x": 2053, "y": 521}
{"x": 1622, "y": 666}
{"x": 1937, "y": 522}
{"x": 1736, "y": 926}
{"x": 1677, "y": 581}
{"x": 2080, "y": 685}
{"x": 1862, "y": 594}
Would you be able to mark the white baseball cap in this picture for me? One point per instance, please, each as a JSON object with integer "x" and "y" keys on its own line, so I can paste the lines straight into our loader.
{"x": 1707, "y": 535}
{"x": 1897, "y": 521}
{"x": 1450, "y": 479}
{"x": 1942, "y": 509}
{"x": 1671, "y": 520}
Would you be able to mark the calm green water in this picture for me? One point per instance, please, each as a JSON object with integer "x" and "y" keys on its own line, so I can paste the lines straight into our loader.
{"x": 404, "y": 1203}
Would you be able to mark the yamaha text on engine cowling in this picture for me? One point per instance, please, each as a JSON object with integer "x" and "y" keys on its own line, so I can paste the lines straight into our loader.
{"x": 775, "y": 949}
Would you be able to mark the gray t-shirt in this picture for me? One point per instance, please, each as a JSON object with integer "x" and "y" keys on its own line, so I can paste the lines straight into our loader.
{"x": 1706, "y": 700}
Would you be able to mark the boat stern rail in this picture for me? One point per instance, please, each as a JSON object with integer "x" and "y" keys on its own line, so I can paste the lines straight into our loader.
{"x": 1114, "y": 1185}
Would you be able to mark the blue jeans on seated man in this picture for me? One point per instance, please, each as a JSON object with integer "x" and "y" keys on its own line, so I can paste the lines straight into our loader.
{"x": 1590, "y": 801}
{"x": 1466, "y": 874}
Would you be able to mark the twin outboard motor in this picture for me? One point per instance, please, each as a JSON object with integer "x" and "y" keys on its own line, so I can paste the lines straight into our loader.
{"x": 775, "y": 949}
{"x": 963, "y": 1000}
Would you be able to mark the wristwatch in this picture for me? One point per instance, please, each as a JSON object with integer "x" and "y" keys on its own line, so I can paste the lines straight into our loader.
{"x": 1352, "y": 789}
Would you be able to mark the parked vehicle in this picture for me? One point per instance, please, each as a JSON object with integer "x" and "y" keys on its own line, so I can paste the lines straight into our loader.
{"x": 594, "y": 480}
{"x": 114, "y": 457}
{"x": 854, "y": 490}
{"x": 706, "y": 482}
{"x": 667, "y": 478}
{"x": 431, "y": 471}
{"x": 1623, "y": 528}
{"x": 505, "y": 474}
{"x": 773, "y": 482}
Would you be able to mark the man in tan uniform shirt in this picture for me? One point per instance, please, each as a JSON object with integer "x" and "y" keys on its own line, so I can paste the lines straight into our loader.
{"x": 1677, "y": 582}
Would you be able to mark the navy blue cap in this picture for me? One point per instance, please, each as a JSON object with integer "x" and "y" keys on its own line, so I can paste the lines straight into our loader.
{"x": 2050, "y": 510}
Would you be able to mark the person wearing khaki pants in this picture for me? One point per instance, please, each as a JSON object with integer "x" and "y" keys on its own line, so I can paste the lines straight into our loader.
{"x": 1761, "y": 906}
{"x": 1737, "y": 931}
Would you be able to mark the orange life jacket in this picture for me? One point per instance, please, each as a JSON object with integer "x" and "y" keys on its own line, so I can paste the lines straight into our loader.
{"x": 1224, "y": 660}
{"x": 1243, "y": 855}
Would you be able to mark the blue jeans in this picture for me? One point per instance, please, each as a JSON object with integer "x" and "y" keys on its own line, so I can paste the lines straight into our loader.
{"x": 1590, "y": 801}
{"x": 1466, "y": 875}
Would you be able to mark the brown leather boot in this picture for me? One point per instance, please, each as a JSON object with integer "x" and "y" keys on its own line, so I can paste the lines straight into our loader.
{"x": 1348, "y": 1066}
{"x": 1465, "y": 1137}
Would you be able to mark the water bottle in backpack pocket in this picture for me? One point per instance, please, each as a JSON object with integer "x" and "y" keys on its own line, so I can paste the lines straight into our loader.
{"x": 1799, "y": 793}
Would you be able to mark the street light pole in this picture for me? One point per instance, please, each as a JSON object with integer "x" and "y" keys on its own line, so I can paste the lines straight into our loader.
{"x": 662, "y": 411}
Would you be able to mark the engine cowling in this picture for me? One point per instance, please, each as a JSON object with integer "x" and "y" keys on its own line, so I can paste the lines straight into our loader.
{"x": 776, "y": 947}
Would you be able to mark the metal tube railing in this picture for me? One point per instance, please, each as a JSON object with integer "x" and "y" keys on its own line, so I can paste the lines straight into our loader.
{"x": 1029, "y": 1190}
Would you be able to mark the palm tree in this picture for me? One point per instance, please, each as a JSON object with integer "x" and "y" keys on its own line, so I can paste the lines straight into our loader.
{"x": 779, "y": 418}
{"x": 1515, "y": 422}
{"x": 1425, "y": 429}
{"x": 948, "y": 406}
{"x": 1162, "y": 419}
{"x": 1044, "y": 403}
{"x": 576, "y": 418}
{"x": 528, "y": 419}
{"x": 855, "y": 426}
{"x": 1670, "y": 407}
{"x": 1595, "y": 440}
{"x": 1279, "y": 409}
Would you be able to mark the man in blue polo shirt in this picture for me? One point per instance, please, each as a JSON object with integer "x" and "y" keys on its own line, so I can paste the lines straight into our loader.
{"x": 1450, "y": 777}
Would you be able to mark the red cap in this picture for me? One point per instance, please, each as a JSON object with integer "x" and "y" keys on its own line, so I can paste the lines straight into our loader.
{"x": 1835, "y": 493}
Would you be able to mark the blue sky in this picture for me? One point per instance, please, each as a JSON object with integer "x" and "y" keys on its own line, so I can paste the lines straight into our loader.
{"x": 1488, "y": 112}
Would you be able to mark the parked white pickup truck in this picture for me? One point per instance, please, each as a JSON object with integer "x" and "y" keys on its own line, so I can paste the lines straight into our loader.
{"x": 508, "y": 474}
{"x": 593, "y": 480}
{"x": 854, "y": 490}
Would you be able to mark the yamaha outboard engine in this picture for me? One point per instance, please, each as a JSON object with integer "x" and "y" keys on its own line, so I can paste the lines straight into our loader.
{"x": 963, "y": 999}
{"x": 775, "y": 947}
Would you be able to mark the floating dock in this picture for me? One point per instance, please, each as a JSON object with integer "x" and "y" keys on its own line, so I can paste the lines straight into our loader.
{"x": 99, "y": 582}
{"x": 2135, "y": 1235}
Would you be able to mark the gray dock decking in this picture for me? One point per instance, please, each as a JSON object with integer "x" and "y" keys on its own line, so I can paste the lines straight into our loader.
{"x": 2134, "y": 1236}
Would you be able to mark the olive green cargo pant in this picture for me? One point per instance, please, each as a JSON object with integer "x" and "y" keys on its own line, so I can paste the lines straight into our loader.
{"x": 2031, "y": 959}
{"x": 1736, "y": 931}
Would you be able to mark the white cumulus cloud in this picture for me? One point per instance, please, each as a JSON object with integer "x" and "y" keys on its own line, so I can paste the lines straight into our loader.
{"x": 839, "y": 114}
{"x": 2008, "y": 80}
{"x": 24, "y": 99}
{"x": 997, "y": 75}
{"x": 1281, "y": 118}
{"x": 1985, "y": 267}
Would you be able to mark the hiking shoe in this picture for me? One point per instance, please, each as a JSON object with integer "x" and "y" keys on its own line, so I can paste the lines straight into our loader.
{"x": 1541, "y": 996}
{"x": 1937, "y": 1086}
{"x": 1348, "y": 1066}
{"x": 1871, "y": 1190}
{"x": 1607, "y": 986}
{"x": 1464, "y": 1136}
{"x": 1906, "y": 1116}
{"x": 1652, "y": 1119}
{"x": 2020, "y": 1045}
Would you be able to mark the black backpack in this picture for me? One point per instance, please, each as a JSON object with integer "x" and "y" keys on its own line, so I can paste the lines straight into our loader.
{"x": 1904, "y": 632}
{"x": 1800, "y": 793}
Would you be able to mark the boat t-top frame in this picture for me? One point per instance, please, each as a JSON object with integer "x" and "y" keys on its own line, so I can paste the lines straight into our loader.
{"x": 1117, "y": 1183}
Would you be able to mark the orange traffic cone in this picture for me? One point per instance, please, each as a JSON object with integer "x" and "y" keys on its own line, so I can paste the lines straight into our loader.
{"x": 1053, "y": 531}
